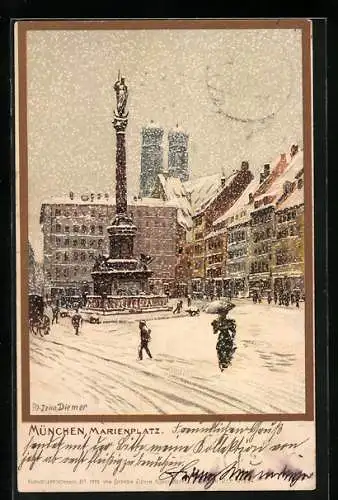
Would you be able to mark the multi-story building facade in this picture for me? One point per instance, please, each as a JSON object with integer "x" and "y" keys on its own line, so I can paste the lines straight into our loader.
{"x": 178, "y": 141}
{"x": 288, "y": 248}
{"x": 74, "y": 234}
{"x": 263, "y": 219}
{"x": 238, "y": 236}
{"x": 151, "y": 157}
{"x": 209, "y": 239}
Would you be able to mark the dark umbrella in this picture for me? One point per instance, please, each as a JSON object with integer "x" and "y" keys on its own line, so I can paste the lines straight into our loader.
{"x": 219, "y": 307}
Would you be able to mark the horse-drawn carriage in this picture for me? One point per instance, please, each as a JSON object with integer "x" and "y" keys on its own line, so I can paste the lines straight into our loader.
{"x": 39, "y": 322}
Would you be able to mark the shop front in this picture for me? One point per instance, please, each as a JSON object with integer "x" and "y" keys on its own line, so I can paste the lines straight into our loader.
{"x": 261, "y": 283}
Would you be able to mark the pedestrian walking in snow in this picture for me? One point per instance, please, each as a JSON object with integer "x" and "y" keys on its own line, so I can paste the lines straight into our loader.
{"x": 76, "y": 321}
{"x": 178, "y": 307}
{"x": 269, "y": 298}
{"x": 189, "y": 301}
{"x": 225, "y": 328}
{"x": 145, "y": 339}
{"x": 275, "y": 297}
{"x": 55, "y": 312}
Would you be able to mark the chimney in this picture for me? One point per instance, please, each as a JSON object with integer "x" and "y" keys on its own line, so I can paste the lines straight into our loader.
{"x": 267, "y": 169}
{"x": 245, "y": 165}
{"x": 251, "y": 198}
{"x": 222, "y": 181}
{"x": 261, "y": 177}
{"x": 300, "y": 183}
{"x": 283, "y": 156}
{"x": 294, "y": 150}
{"x": 71, "y": 195}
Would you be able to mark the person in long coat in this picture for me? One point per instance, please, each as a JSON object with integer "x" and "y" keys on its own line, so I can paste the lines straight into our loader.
{"x": 145, "y": 339}
{"x": 226, "y": 330}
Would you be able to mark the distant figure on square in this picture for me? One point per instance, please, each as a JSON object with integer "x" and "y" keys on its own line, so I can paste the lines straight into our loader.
{"x": 145, "y": 339}
{"x": 189, "y": 301}
{"x": 76, "y": 321}
{"x": 178, "y": 307}
{"x": 55, "y": 313}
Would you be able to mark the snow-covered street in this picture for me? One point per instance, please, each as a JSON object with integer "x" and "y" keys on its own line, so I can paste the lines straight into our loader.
{"x": 100, "y": 368}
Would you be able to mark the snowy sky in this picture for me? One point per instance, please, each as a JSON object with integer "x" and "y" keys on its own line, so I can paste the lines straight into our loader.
{"x": 238, "y": 94}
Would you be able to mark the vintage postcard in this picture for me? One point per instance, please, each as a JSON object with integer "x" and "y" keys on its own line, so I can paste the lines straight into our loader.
{"x": 164, "y": 243}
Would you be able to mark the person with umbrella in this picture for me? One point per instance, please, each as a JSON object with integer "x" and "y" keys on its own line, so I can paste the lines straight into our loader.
{"x": 225, "y": 328}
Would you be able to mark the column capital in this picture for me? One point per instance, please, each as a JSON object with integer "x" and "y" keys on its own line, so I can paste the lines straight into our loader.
{"x": 120, "y": 123}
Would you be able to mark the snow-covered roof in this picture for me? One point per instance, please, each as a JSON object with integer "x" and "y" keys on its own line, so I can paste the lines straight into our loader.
{"x": 294, "y": 199}
{"x": 241, "y": 204}
{"x": 66, "y": 200}
{"x": 152, "y": 124}
{"x": 177, "y": 130}
{"x": 294, "y": 167}
{"x": 176, "y": 193}
{"x": 204, "y": 189}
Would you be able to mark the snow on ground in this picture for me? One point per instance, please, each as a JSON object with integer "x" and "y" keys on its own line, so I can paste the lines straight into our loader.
{"x": 100, "y": 367}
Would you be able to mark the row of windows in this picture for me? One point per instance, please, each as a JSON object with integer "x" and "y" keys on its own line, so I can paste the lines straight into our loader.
{"x": 236, "y": 236}
{"x": 262, "y": 218}
{"x": 262, "y": 249}
{"x": 290, "y": 215}
{"x": 259, "y": 267}
{"x": 74, "y": 256}
{"x": 288, "y": 231}
{"x": 79, "y": 212}
{"x": 214, "y": 273}
{"x": 286, "y": 257}
{"x": 79, "y": 229}
{"x": 82, "y": 243}
{"x": 262, "y": 235}
{"x": 74, "y": 272}
{"x": 213, "y": 259}
{"x": 237, "y": 253}
{"x": 236, "y": 267}
{"x": 215, "y": 244}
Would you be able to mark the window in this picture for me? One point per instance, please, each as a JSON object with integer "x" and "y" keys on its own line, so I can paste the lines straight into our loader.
{"x": 66, "y": 242}
{"x": 92, "y": 243}
{"x": 66, "y": 272}
{"x": 75, "y": 243}
{"x": 66, "y": 256}
{"x": 92, "y": 229}
{"x": 58, "y": 242}
{"x": 58, "y": 256}
{"x": 75, "y": 256}
{"x": 57, "y": 272}
{"x": 83, "y": 229}
{"x": 57, "y": 211}
{"x": 93, "y": 213}
{"x": 83, "y": 242}
{"x": 58, "y": 228}
{"x": 75, "y": 229}
{"x": 100, "y": 229}
{"x": 99, "y": 244}
{"x": 66, "y": 229}
{"x": 83, "y": 256}
{"x": 67, "y": 213}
